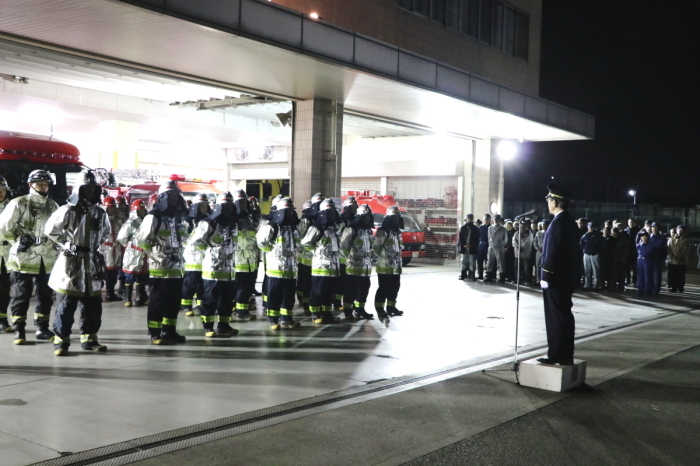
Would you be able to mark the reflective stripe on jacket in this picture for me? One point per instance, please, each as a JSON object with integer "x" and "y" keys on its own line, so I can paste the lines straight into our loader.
{"x": 162, "y": 238}
{"x": 218, "y": 263}
{"x": 356, "y": 245}
{"x": 387, "y": 247}
{"x": 280, "y": 245}
{"x": 135, "y": 258}
{"x": 325, "y": 246}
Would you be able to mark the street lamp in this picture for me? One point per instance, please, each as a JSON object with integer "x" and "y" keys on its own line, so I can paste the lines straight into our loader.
{"x": 633, "y": 193}
{"x": 507, "y": 150}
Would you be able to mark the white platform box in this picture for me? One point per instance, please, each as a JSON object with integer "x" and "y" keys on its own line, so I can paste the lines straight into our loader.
{"x": 552, "y": 377}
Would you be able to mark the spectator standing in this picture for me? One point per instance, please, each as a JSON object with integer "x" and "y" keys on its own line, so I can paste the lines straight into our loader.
{"x": 591, "y": 245}
{"x": 631, "y": 232}
{"x": 645, "y": 273}
{"x": 659, "y": 251}
{"x": 679, "y": 250}
{"x": 509, "y": 259}
{"x": 621, "y": 259}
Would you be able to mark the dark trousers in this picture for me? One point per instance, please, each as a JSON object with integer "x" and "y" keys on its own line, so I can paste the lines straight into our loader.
{"x": 139, "y": 278}
{"x": 481, "y": 257}
{"x": 676, "y": 277}
{"x": 22, "y": 285}
{"x": 388, "y": 290}
{"x": 618, "y": 274}
{"x": 280, "y": 298}
{"x": 560, "y": 323}
{"x": 192, "y": 285}
{"x": 217, "y": 300}
{"x": 163, "y": 305}
{"x": 645, "y": 276}
{"x": 340, "y": 285}
{"x": 244, "y": 287}
{"x": 322, "y": 291}
{"x": 111, "y": 280}
{"x": 4, "y": 291}
{"x": 90, "y": 317}
{"x": 509, "y": 262}
{"x": 357, "y": 289}
{"x": 658, "y": 270}
{"x": 304, "y": 283}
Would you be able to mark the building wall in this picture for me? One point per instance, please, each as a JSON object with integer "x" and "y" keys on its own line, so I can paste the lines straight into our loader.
{"x": 385, "y": 21}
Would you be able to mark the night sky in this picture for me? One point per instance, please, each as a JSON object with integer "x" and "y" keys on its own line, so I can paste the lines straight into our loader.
{"x": 635, "y": 66}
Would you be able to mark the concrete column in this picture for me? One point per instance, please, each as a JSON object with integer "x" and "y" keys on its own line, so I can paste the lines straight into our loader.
{"x": 497, "y": 178}
{"x": 117, "y": 144}
{"x": 316, "y": 149}
{"x": 482, "y": 178}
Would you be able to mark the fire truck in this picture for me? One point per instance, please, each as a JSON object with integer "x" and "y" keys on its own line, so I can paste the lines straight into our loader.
{"x": 22, "y": 153}
{"x": 412, "y": 235}
{"x": 190, "y": 187}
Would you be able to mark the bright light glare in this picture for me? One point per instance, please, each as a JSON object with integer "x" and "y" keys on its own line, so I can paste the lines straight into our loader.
{"x": 633, "y": 192}
{"x": 314, "y": 15}
{"x": 507, "y": 150}
{"x": 40, "y": 113}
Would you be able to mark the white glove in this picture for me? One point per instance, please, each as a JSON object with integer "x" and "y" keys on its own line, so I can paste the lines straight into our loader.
{"x": 544, "y": 285}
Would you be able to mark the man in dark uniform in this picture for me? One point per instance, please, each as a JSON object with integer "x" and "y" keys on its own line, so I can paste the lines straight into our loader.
{"x": 483, "y": 252}
{"x": 560, "y": 276}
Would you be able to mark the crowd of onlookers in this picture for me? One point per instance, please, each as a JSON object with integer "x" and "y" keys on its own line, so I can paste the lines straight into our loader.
{"x": 613, "y": 256}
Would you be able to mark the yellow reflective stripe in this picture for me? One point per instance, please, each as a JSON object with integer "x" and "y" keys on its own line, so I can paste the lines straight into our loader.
{"x": 3, "y": 316}
{"x": 281, "y": 274}
{"x": 201, "y": 247}
{"x": 198, "y": 302}
{"x": 379, "y": 304}
{"x": 224, "y": 319}
{"x": 186, "y": 302}
{"x": 359, "y": 304}
{"x": 547, "y": 270}
{"x": 154, "y": 324}
{"x": 325, "y": 308}
{"x": 193, "y": 267}
{"x": 246, "y": 268}
{"x": 315, "y": 308}
{"x": 391, "y": 303}
{"x": 389, "y": 270}
{"x": 207, "y": 319}
{"x": 304, "y": 261}
{"x": 273, "y": 313}
{"x": 167, "y": 321}
{"x": 84, "y": 338}
{"x": 286, "y": 312}
{"x": 242, "y": 306}
{"x": 265, "y": 298}
{"x": 163, "y": 273}
{"x": 324, "y": 272}
{"x": 18, "y": 319}
{"x": 58, "y": 341}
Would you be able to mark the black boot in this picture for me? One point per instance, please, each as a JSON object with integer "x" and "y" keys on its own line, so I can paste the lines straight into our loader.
{"x": 129, "y": 294}
{"x": 90, "y": 343}
{"x": 43, "y": 333}
{"x": 5, "y": 327}
{"x": 20, "y": 337}
{"x": 122, "y": 286}
{"x": 111, "y": 296}
{"x": 391, "y": 309}
{"x": 141, "y": 296}
{"x": 360, "y": 314}
{"x": 348, "y": 314}
{"x": 170, "y": 336}
{"x": 463, "y": 275}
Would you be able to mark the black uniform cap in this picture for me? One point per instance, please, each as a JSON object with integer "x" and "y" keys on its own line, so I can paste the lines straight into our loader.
{"x": 558, "y": 192}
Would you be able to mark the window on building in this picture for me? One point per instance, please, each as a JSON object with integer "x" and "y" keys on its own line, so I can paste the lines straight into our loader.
{"x": 422, "y": 7}
{"x": 470, "y": 18}
{"x": 486, "y": 22}
{"x": 406, "y": 4}
{"x": 437, "y": 12}
{"x": 498, "y": 24}
{"x": 452, "y": 14}
{"x": 509, "y": 31}
{"x": 522, "y": 35}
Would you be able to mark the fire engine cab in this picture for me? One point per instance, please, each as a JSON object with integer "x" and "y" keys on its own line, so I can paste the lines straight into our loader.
{"x": 412, "y": 235}
{"x": 190, "y": 187}
{"x": 22, "y": 153}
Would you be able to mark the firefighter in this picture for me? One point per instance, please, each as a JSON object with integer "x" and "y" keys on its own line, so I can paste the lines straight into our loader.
{"x": 161, "y": 235}
{"x": 216, "y": 235}
{"x": 111, "y": 249}
{"x": 247, "y": 256}
{"x": 32, "y": 255}
{"x": 322, "y": 238}
{"x": 192, "y": 284}
{"x": 256, "y": 214}
{"x": 135, "y": 262}
{"x": 304, "y": 258}
{"x": 264, "y": 220}
{"x": 356, "y": 244}
{"x": 387, "y": 247}
{"x": 122, "y": 208}
{"x": 340, "y": 301}
{"x": 5, "y": 327}
{"x": 79, "y": 231}
{"x": 279, "y": 239}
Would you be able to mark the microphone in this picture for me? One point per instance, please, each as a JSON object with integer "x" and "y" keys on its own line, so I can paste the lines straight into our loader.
{"x": 533, "y": 211}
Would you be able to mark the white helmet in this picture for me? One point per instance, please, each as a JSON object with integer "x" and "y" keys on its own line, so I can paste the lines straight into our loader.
{"x": 318, "y": 197}
{"x": 224, "y": 198}
{"x": 364, "y": 209}
{"x": 285, "y": 203}
{"x": 327, "y": 204}
{"x": 350, "y": 200}
{"x": 201, "y": 197}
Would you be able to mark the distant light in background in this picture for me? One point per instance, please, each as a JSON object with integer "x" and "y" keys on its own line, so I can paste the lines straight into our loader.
{"x": 314, "y": 15}
{"x": 507, "y": 150}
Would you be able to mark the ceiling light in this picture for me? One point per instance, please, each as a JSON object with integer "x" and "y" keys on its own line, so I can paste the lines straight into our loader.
{"x": 507, "y": 150}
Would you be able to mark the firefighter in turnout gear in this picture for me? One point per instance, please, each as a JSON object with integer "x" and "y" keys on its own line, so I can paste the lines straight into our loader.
{"x": 161, "y": 235}
{"x": 111, "y": 249}
{"x": 4, "y": 253}
{"x": 247, "y": 256}
{"x": 32, "y": 255}
{"x": 135, "y": 262}
{"x": 79, "y": 231}
{"x": 304, "y": 258}
{"x": 387, "y": 247}
{"x": 341, "y": 302}
{"x": 193, "y": 285}
{"x": 216, "y": 234}
{"x": 356, "y": 245}
{"x": 322, "y": 238}
{"x": 279, "y": 239}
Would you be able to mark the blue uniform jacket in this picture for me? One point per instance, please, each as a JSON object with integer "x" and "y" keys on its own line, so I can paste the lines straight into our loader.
{"x": 484, "y": 234}
{"x": 592, "y": 243}
{"x": 659, "y": 247}
{"x": 561, "y": 253}
{"x": 644, "y": 251}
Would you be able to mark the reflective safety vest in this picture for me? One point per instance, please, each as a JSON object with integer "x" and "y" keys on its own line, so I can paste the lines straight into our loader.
{"x": 219, "y": 247}
{"x": 357, "y": 248}
{"x": 325, "y": 245}
{"x": 387, "y": 247}
{"x": 162, "y": 239}
{"x": 280, "y": 245}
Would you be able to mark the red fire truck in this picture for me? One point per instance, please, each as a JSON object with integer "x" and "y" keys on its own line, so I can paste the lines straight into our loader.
{"x": 413, "y": 236}
{"x": 22, "y": 153}
{"x": 190, "y": 187}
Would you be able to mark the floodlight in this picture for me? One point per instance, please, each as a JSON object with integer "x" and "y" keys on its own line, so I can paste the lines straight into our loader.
{"x": 507, "y": 150}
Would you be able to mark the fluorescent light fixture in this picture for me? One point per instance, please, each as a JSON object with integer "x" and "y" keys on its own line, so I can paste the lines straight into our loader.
{"x": 507, "y": 150}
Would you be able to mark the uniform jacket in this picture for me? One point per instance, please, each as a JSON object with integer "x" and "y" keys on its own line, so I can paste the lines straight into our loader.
{"x": 27, "y": 215}
{"x": 162, "y": 238}
{"x": 324, "y": 242}
{"x": 219, "y": 249}
{"x": 247, "y": 252}
{"x": 4, "y": 244}
{"x": 473, "y": 238}
{"x": 387, "y": 247}
{"x": 135, "y": 258}
{"x": 592, "y": 243}
{"x": 498, "y": 236}
{"x": 526, "y": 240}
{"x": 484, "y": 234}
{"x": 463, "y": 239}
{"x": 679, "y": 250}
{"x": 304, "y": 256}
{"x": 644, "y": 251}
{"x": 561, "y": 253}
{"x": 81, "y": 229}
{"x": 280, "y": 245}
{"x": 538, "y": 240}
{"x": 356, "y": 244}
{"x": 111, "y": 249}
{"x": 659, "y": 247}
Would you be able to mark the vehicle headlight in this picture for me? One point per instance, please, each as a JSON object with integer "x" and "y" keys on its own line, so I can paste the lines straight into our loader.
{"x": 422, "y": 247}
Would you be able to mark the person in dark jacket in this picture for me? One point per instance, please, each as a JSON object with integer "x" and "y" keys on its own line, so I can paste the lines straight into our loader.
{"x": 483, "y": 251}
{"x": 607, "y": 282}
{"x": 620, "y": 259}
{"x": 474, "y": 240}
{"x": 560, "y": 276}
{"x": 659, "y": 251}
{"x": 645, "y": 271}
{"x": 592, "y": 246}
{"x": 631, "y": 233}
{"x": 582, "y": 224}
{"x": 463, "y": 246}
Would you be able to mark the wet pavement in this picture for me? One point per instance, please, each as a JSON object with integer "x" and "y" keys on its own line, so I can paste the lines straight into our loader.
{"x": 52, "y": 406}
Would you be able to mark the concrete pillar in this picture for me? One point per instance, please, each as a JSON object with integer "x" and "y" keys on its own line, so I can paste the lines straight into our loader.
{"x": 497, "y": 178}
{"x": 316, "y": 149}
{"x": 482, "y": 178}
{"x": 117, "y": 142}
